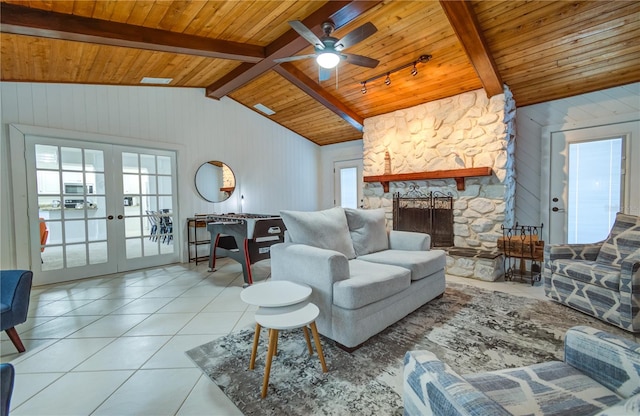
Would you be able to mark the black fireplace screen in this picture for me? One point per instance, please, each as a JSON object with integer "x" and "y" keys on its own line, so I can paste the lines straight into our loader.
{"x": 426, "y": 213}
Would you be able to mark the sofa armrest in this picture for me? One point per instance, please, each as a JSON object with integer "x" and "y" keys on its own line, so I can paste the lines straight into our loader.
{"x": 630, "y": 292}
{"x": 431, "y": 387}
{"x": 408, "y": 240}
{"x": 313, "y": 266}
{"x": 608, "y": 359}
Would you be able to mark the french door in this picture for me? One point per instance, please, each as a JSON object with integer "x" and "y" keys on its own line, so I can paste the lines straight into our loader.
{"x": 97, "y": 208}
{"x": 589, "y": 181}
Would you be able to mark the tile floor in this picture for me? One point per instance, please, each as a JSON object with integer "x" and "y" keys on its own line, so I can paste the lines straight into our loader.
{"x": 114, "y": 345}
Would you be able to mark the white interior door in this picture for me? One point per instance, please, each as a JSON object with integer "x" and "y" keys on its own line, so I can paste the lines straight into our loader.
{"x": 86, "y": 205}
{"x": 348, "y": 183}
{"x": 590, "y": 181}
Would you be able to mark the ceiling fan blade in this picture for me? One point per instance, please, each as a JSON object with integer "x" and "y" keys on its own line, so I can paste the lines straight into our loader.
{"x": 356, "y": 35}
{"x": 323, "y": 73}
{"x": 360, "y": 60}
{"x": 294, "y": 58}
{"x": 306, "y": 33}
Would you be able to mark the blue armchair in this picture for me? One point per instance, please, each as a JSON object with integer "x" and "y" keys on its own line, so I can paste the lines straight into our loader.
{"x": 15, "y": 290}
{"x": 600, "y": 375}
{"x": 7, "y": 375}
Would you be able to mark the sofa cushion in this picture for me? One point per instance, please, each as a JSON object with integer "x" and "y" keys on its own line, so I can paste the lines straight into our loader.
{"x": 421, "y": 263}
{"x": 552, "y": 388}
{"x": 630, "y": 406}
{"x": 623, "y": 240}
{"x": 326, "y": 229}
{"x": 368, "y": 230}
{"x": 586, "y": 271}
{"x": 369, "y": 283}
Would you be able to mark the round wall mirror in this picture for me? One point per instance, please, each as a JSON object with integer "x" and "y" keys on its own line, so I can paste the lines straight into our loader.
{"x": 215, "y": 181}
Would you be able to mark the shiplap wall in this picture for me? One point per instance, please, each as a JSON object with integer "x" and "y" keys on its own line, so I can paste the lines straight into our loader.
{"x": 582, "y": 111}
{"x": 275, "y": 168}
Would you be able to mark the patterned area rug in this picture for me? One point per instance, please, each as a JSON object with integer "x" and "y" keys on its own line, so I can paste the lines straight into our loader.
{"x": 471, "y": 329}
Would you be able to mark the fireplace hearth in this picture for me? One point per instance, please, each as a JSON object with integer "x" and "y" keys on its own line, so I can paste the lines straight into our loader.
{"x": 430, "y": 213}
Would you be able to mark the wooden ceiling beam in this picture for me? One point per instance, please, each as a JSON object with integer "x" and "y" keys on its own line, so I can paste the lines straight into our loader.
{"x": 298, "y": 78}
{"x": 341, "y": 12}
{"x": 23, "y": 20}
{"x": 465, "y": 24}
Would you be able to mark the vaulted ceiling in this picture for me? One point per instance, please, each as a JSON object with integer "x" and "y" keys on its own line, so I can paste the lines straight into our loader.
{"x": 543, "y": 50}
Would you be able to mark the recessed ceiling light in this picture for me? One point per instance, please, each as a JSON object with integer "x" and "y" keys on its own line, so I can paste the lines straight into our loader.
{"x": 264, "y": 109}
{"x": 151, "y": 80}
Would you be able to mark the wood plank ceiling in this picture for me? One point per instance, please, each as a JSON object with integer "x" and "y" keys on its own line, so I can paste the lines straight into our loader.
{"x": 542, "y": 50}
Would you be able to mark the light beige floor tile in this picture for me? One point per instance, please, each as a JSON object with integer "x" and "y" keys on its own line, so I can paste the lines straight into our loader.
{"x": 189, "y": 304}
{"x": 205, "y": 289}
{"x": 100, "y": 307}
{"x": 227, "y": 300}
{"x": 59, "y": 307}
{"x": 151, "y": 392}
{"x": 73, "y": 394}
{"x": 161, "y": 324}
{"x": 32, "y": 346}
{"x": 138, "y": 306}
{"x": 62, "y": 356}
{"x": 211, "y": 323}
{"x": 172, "y": 354}
{"x": 246, "y": 321}
{"x": 165, "y": 292}
{"x": 110, "y": 326}
{"x": 28, "y": 385}
{"x": 89, "y": 293}
{"x": 59, "y": 327}
{"x": 207, "y": 399}
{"x": 128, "y": 292}
{"x": 125, "y": 353}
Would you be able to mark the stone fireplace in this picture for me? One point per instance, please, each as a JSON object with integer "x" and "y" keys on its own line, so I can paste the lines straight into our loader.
{"x": 461, "y": 132}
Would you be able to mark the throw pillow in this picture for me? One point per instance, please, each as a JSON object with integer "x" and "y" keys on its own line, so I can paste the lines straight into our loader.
{"x": 368, "y": 230}
{"x": 623, "y": 240}
{"x": 323, "y": 229}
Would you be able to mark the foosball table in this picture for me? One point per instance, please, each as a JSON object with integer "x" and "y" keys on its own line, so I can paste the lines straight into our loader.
{"x": 246, "y": 238}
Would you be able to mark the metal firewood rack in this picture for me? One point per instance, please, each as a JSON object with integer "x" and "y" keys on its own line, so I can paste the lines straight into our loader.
{"x": 520, "y": 245}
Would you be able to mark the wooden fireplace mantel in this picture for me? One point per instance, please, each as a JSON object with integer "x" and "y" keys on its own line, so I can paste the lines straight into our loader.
{"x": 458, "y": 174}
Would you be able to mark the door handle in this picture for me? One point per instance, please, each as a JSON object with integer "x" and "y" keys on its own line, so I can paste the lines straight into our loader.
{"x": 120, "y": 217}
{"x": 556, "y": 209}
{"x": 110, "y": 217}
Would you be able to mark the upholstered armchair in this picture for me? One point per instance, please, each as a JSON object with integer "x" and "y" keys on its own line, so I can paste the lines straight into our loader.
{"x": 14, "y": 294}
{"x": 600, "y": 279}
{"x": 600, "y": 375}
{"x": 7, "y": 376}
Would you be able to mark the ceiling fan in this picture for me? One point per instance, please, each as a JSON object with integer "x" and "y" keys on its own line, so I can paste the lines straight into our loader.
{"x": 328, "y": 50}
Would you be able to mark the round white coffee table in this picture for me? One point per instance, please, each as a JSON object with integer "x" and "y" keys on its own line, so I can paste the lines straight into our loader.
{"x": 282, "y": 306}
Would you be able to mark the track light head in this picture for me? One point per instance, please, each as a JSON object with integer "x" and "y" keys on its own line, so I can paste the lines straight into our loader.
{"x": 387, "y": 80}
{"x": 414, "y": 71}
{"x": 364, "y": 87}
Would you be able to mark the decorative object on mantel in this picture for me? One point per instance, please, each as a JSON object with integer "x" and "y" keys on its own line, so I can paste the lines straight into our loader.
{"x": 471, "y": 329}
{"x": 423, "y": 59}
{"x": 387, "y": 163}
{"x": 457, "y": 174}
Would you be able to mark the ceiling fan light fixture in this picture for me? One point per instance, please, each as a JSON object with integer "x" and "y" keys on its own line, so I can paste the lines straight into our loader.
{"x": 414, "y": 71}
{"x": 364, "y": 87}
{"x": 387, "y": 80}
{"x": 328, "y": 59}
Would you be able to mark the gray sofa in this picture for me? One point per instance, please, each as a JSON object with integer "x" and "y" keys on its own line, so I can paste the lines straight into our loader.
{"x": 363, "y": 278}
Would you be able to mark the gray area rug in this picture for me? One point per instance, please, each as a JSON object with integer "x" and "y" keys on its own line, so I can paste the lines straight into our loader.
{"x": 471, "y": 329}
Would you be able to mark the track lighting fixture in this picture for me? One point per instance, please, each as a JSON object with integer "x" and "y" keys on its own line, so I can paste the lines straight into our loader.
{"x": 423, "y": 59}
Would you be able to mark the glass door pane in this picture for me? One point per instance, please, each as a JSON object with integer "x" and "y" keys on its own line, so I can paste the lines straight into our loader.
{"x": 147, "y": 183}
{"x": 594, "y": 189}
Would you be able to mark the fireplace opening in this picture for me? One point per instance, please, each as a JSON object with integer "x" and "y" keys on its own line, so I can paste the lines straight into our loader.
{"x": 426, "y": 213}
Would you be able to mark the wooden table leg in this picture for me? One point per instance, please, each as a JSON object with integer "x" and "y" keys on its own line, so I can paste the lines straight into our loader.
{"x": 316, "y": 338}
{"x": 254, "y": 350}
{"x": 273, "y": 339}
{"x": 306, "y": 337}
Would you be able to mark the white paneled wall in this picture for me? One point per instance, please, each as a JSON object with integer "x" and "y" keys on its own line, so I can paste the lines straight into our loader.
{"x": 275, "y": 168}
{"x": 613, "y": 105}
